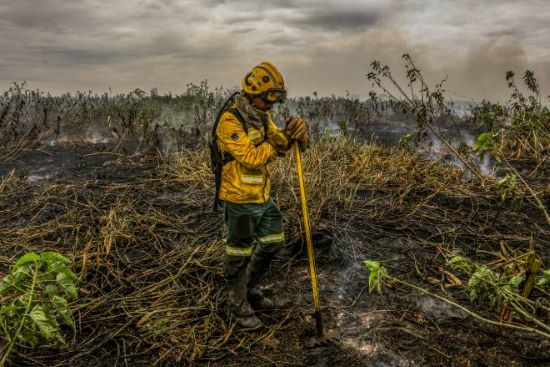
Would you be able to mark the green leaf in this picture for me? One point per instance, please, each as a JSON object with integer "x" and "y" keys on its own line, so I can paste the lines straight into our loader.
{"x": 48, "y": 327}
{"x": 15, "y": 278}
{"x": 459, "y": 263}
{"x": 483, "y": 285}
{"x": 50, "y": 289}
{"x": 376, "y": 274}
{"x": 485, "y": 142}
{"x": 516, "y": 281}
{"x": 508, "y": 271}
{"x": 27, "y": 258}
{"x": 62, "y": 269}
{"x": 50, "y": 256}
{"x": 7, "y": 310}
{"x": 28, "y": 337}
{"x": 68, "y": 284}
{"x": 545, "y": 279}
{"x": 62, "y": 307}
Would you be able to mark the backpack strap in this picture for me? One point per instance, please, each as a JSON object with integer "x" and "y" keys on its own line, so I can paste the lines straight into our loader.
{"x": 217, "y": 155}
{"x": 235, "y": 112}
{"x": 226, "y": 156}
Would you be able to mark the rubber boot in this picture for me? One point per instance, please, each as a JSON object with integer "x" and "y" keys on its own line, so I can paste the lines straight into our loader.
{"x": 256, "y": 270}
{"x": 239, "y": 304}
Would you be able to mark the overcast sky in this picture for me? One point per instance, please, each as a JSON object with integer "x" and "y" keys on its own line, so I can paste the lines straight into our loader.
{"x": 319, "y": 45}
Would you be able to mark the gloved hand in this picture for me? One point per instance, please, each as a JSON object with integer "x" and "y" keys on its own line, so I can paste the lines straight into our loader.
{"x": 304, "y": 142}
{"x": 281, "y": 142}
{"x": 296, "y": 127}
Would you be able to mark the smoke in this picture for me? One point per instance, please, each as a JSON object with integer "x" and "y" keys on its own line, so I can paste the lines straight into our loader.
{"x": 481, "y": 73}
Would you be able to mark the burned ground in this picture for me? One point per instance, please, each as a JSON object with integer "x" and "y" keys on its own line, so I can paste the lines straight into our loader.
{"x": 148, "y": 251}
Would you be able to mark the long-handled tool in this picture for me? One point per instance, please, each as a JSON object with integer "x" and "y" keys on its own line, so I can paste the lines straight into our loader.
{"x": 321, "y": 338}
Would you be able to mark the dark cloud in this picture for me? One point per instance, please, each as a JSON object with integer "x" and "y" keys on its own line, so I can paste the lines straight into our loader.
{"x": 241, "y": 18}
{"x": 319, "y": 44}
{"x": 77, "y": 56}
{"x": 331, "y": 19}
{"x": 49, "y": 16}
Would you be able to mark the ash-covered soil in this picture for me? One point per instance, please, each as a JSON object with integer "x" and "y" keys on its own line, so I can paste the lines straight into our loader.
{"x": 156, "y": 296}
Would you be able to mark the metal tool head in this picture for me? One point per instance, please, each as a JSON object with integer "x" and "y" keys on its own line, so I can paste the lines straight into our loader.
{"x": 330, "y": 337}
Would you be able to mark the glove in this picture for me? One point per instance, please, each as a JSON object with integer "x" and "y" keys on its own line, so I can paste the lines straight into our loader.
{"x": 296, "y": 128}
{"x": 281, "y": 142}
{"x": 304, "y": 142}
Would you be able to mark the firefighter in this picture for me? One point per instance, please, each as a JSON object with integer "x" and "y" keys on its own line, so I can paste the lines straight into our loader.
{"x": 248, "y": 140}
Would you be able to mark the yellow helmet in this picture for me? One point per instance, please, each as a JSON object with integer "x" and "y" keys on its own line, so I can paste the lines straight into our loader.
{"x": 266, "y": 81}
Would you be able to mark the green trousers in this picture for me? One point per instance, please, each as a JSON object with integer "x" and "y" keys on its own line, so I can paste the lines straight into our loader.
{"x": 251, "y": 229}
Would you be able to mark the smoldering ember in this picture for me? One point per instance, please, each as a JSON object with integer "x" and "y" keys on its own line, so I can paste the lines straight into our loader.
{"x": 397, "y": 216}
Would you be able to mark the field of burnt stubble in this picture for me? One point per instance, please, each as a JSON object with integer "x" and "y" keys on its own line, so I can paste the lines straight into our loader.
{"x": 121, "y": 186}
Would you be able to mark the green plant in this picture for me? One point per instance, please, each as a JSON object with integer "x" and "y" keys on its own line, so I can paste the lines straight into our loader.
{"x": 486, "y": 143}
{"x": 544, "y": 279}
{"x": 506, "y": 186}
{"x": 484, "y": 284}
{"x": 529, "y": 119}
{"x": 426, "y": 105}
{"x": 407, "y": 142}
{"x": 34, "y": 297}
{"x": 460, "y": 263}
{"x": 376, "y": 274}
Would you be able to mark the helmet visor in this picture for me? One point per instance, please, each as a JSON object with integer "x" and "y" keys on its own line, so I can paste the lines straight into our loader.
{"x": 275, "y": 96}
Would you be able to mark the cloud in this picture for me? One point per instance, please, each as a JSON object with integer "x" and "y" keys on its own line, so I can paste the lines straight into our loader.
{"x": 320, "y": 45}
{"x": 49, "y": 16}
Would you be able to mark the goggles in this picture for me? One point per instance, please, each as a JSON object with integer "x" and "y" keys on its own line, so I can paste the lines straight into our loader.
{"x": 274, "y": 95}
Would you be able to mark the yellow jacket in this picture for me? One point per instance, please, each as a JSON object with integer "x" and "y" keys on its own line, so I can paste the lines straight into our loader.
{"x": 245, "y": 180}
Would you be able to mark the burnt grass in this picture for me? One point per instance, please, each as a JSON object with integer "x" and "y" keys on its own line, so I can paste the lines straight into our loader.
{"x": 148, "y": 250}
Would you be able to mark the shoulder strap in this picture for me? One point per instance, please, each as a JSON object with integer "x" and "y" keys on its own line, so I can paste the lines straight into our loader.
{"x": 266, "y": 125}
{"x": 235, "y": 112}
{"x": 220, "y": 113}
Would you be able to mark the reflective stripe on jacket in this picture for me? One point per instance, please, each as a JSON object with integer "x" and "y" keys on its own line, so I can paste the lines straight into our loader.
{"x": 245, "y": 180}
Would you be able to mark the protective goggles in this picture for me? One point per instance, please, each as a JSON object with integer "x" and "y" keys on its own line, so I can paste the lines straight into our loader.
{"x": 274, "y": 95}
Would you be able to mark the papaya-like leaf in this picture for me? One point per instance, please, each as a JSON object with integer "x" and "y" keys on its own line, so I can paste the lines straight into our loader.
{"x": 459, "y": 263}
{"x": 484, "y": 142}
{"x": 483, "y": 285}
{"x": 15, "y": 278}
{"x": 67, "y": 284}
{"x": 50, "y": 289}
{"x": 50, "y": 256}
{"x": 46, "y": 325}
{"x": 28, "y": 337}
{"x": 515, "y": 282}
{"x": 62, "y": 269}
{"x": 544, "y": 281}
{"x": 27, "y": 258}
{"x": 62, "y": 307}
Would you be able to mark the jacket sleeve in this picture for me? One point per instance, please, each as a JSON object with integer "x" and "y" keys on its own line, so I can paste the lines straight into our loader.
{"x": 234, "y": 141}
{"x": 277, "y": 137}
